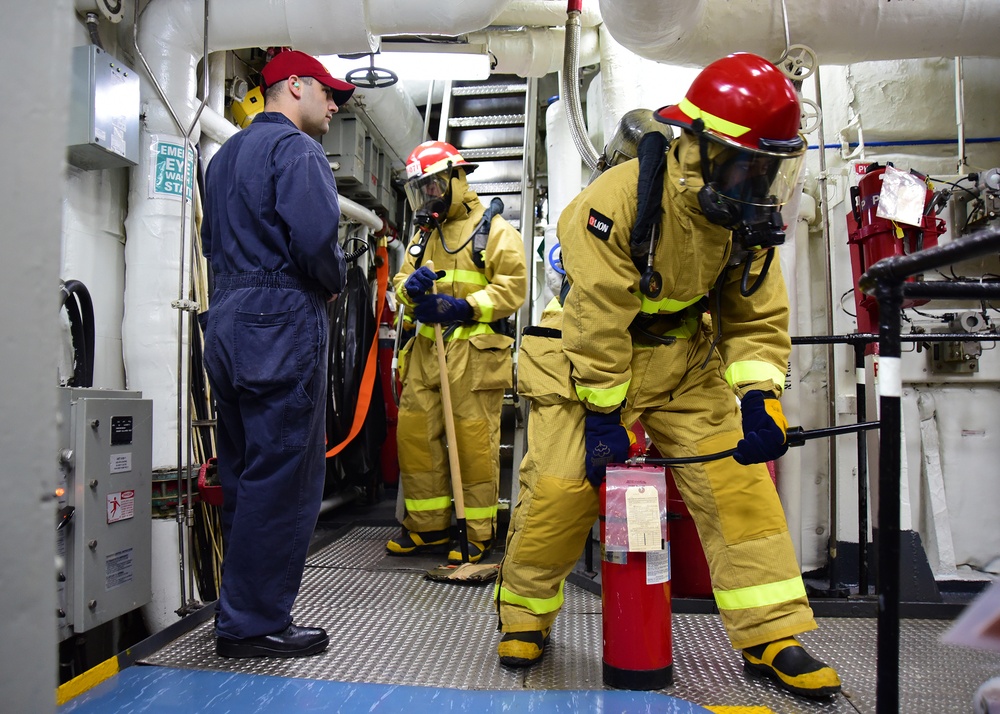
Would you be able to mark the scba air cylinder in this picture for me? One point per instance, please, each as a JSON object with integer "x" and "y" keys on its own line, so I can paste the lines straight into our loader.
{"x": 635, "y": 595}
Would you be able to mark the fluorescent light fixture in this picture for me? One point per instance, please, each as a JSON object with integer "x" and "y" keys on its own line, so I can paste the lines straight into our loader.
{"x": 417, "y": 65}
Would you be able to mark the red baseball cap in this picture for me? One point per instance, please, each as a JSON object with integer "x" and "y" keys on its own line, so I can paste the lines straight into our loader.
{"x": 284, "y": 64}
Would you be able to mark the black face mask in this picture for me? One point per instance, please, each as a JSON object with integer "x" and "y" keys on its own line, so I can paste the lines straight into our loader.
{"x": 430, "y": 213}
{"x": 756, "y": 224}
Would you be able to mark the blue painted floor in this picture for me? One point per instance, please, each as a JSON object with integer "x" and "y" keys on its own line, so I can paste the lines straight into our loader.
{"x": 164, "y": 690}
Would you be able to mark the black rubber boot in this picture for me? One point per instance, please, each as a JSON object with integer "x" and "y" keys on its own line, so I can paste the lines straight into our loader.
{"x": 787, "y": 663}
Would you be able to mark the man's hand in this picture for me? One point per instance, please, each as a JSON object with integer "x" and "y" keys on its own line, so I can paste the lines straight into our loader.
{"x": 442, "y": 308}
{"x": 606, "y": 442}
{"x": 420, "y": 282}
{"x": 764, "y": 429}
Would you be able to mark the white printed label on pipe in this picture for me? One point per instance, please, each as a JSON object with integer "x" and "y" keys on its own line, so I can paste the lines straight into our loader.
{"x": 642, "y": 511}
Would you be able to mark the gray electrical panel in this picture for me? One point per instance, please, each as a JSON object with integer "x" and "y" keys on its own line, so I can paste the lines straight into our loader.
{"x": 103, "y": 112}
{"x": 344, "y": 145}
{"x": 103, "y": 533}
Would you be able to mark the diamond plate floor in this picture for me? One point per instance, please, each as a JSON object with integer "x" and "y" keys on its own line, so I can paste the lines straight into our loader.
{"x": 390, "y": 625}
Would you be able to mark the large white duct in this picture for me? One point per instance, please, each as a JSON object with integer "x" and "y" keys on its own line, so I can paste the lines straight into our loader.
{"x": 396, "y": 117}
{"x": 546, "y": 13}
{"x": 697, "y": 32}
{"x": 535, "y": 52}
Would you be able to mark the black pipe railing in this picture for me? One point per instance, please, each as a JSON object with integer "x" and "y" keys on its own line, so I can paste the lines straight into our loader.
{"x": 886, "y": 282}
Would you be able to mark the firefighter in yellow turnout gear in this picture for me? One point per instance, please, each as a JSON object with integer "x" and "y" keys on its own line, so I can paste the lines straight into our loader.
{"x": 480, "y": 278}
{"x": 631, "y": 343}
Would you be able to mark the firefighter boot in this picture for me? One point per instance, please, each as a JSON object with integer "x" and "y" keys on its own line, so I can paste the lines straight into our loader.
{"x": 787, "y": 663}
{"x": 522, "y": 649}
{"x": 477, "y": 551}
{"x": 410, "y": 542}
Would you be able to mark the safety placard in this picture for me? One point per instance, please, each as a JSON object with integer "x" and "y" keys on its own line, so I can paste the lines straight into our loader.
{"x": 167, "y": 168}
{"x": 119, "y": 569}
{"x": 120, "y": 463}
{"x": 121, "y": 506}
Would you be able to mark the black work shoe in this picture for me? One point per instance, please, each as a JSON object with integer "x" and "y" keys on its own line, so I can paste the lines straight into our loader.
{"x": 787, "y": 663}
{"x": 293, "y": 641}
{"x": 522, "y": 649}
{"x": 410, "y": 542}
{"x": 477, "y": 551}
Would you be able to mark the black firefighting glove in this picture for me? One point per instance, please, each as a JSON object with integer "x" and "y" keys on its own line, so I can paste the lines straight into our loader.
{"x": 420, "y": 282}
{"x": 606, "y": 441}
{"x": 764, "y": 429}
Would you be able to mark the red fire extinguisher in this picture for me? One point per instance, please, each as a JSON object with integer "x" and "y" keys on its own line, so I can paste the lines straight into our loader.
{"x": 872, "y": 238}
{"x": 635, "y": 614}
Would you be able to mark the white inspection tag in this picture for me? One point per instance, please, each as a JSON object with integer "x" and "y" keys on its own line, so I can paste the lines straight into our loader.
{"x": 642, "y": 511}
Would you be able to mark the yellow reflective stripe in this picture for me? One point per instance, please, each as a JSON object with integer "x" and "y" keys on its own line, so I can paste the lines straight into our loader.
{"x": 761, "y": 595}
{"x": 537, "y": 605}
{"x": 753, "y": 371}
{"x": 719, "y": 124}
{"x": 666, "y": 305}
{"x": 686, "y": 330}
{"x": 462, "y": 332}
{"x": 465, "y": 276}
{"x": 611, "y": 397}
{"x": 481, "y": 513}
{"x": 482, "y": 299}
{"x": 428, "y": 504}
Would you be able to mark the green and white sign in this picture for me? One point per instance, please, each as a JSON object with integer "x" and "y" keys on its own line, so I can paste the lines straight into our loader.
{"x": 167, "y": 168}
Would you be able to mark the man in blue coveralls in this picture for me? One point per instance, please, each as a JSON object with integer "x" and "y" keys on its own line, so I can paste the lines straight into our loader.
{"x": 270, "y": 234}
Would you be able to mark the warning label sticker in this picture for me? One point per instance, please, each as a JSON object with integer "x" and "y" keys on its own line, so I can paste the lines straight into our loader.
{"x": 121, "y": 506}
{"x": 119, "y": 569}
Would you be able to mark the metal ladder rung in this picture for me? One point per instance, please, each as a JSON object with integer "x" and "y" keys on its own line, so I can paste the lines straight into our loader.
{"x": 498, "y": 187}
{"x": 496, "y": 152}
{"x": 489, "y": 120}
{"x": 489, "y": 90}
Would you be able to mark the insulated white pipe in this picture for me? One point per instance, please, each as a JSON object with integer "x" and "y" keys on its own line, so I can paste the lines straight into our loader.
{"x": 697, "y": 32}
{"x": 535, "y": 52}
{"x": 395, "y": 116}
{"x": 546, "y": 13}
{"x": 441, "y": 17}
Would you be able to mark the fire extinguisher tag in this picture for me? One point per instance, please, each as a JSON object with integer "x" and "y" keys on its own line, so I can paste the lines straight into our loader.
{"x": 642, "y": 512}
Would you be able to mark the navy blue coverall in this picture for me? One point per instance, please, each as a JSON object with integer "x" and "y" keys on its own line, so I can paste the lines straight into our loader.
{"x": 270, "y": 234}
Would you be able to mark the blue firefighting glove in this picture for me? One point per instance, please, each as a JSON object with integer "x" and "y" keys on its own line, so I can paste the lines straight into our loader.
{"x": 442, "y": 308}
{"x": 420, "y": 281}
{"x": 764, "y": 429}
{"x": 606, "y": 441}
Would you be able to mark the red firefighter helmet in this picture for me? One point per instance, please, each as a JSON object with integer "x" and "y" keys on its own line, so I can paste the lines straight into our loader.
{"x": 745, "y": 102}
{"x": 429, "y": 169}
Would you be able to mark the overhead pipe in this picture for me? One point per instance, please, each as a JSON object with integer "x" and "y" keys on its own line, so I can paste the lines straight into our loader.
{"x": 697, "y": 32}
{"x": 546, "y": 13}
{"x": 536, "y": 51}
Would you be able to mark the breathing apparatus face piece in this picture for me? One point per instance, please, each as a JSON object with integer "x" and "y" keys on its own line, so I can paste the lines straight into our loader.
{"x": 429, "y": 196}
{"x": 744, "y": 190}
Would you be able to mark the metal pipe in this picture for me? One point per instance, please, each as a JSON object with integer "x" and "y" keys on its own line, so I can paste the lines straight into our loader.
{"x": 570, "y": 79}
{"x": 831, "y": 376}
{"x": 900, "y": 267}
{"x": 185, "y": 515}
{"x": 890, "y": 302}
{"x": 963, "y": 167}
{"x": 862, "y": 414}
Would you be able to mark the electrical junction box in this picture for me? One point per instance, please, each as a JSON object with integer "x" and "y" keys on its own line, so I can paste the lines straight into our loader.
{"x": 344, "y": 145}
{"x": 104, "y": 526}
{"x": 104, "y": 111}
